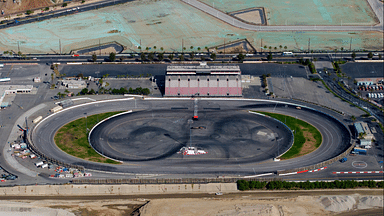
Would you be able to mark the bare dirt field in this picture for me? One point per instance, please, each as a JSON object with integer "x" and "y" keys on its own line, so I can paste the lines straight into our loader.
{"x": 318, "y": 202}
{"x": 252, "y": 16}
{"x": 167, "y": 24}
{"x": 10, "y": 7}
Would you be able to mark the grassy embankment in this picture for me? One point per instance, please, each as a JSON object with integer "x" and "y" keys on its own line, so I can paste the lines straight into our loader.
{"x": 306, "y": 137}
{"x": 72, "y": 138}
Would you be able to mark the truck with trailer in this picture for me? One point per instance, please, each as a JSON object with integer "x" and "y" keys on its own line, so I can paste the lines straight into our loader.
{"x": 361, "y": 151}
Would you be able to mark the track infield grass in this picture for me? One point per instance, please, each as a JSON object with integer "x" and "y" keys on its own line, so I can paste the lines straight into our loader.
{"x": 306, "y": 137}
{"x": 72, "y": 138}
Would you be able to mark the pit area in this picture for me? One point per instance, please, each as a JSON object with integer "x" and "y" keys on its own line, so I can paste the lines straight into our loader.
{"x": 226, "y": 136}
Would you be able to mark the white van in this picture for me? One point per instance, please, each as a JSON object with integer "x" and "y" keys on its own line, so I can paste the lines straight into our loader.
{"x": 1, "y": 65}
{"x": 287, "y": 53}
{"x": 369, "y": 95}
{"x": 39, "y": 163}
{"x": 44, "y": 166}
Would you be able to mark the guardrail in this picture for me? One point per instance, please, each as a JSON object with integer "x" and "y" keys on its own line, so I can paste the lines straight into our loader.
{"x": 327, "y": 162}
{"x": 34, "y": 150}
{"x": 319, "y": 165}
{"x": 167, "y": 181}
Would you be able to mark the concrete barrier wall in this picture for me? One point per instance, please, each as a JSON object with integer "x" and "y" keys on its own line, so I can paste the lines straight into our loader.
{"x": 91, "y": 190}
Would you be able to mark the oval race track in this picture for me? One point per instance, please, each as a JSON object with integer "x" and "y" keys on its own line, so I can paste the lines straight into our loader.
{"x": 219, "y": 160}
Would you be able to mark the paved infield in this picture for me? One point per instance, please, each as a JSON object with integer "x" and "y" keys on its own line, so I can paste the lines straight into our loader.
{"x": 227, "y": 136}
{"x": 336, "y": 137}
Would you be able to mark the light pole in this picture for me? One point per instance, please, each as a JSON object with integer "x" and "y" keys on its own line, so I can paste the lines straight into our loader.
{"x": 86, "y": 122}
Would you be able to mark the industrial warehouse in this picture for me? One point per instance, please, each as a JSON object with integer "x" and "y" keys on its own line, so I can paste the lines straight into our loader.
{"x": 203, "y": 80}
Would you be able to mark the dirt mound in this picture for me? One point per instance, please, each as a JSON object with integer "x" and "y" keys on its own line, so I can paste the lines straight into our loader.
{"x": 370, "y": 201}
{"x": 337, "y": 203}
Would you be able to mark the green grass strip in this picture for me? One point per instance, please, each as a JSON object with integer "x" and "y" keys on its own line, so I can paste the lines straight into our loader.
{"x": 72, "y": 138}
{"x": 294, "y": 124}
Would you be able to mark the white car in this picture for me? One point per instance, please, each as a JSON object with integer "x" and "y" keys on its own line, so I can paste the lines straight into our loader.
{"x": 248, "y": 54}
{"x": 375, "y": 54}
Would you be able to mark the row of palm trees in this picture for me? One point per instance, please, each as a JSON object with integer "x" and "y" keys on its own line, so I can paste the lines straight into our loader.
{"x": 162, "y": 48}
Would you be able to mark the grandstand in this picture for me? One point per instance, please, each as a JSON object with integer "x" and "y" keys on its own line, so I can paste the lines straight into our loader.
{"x": 203, "y": 80}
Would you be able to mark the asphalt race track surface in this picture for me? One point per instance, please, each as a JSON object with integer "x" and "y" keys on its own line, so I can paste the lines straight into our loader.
{"x": 150, "y": 147}
{"x": 228, "y": 136}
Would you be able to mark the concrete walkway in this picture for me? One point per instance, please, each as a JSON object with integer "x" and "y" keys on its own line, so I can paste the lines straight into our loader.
{"x": 375, "y": 4}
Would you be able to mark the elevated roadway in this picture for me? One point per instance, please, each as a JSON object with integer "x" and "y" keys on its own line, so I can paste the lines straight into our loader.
{"x": 336, "y": 137}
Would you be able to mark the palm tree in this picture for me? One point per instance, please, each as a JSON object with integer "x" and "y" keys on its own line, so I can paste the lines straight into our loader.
{"x": 280, "y": 47}
{"x": 342, "y": 48}
{"x": 198, "y": 48}
{"x": 285, "y": 47}
{"x": 161, "y": 48}
{"x": 191, "y": 47}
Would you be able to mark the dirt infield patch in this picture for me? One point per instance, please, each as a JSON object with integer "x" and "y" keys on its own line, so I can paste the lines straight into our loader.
{"x": 252, "y": 15}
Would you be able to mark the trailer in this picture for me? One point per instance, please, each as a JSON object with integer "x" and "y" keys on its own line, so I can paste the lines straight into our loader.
{"x": 360, "y": 150}
{"x": 37, "y": 119}
{"x": 5, "y": 79}
{"x": 56, "y": 109}
{"x": 44, "y": 166}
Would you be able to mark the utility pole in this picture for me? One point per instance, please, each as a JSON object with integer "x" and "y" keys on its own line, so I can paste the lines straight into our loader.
{"x": 60, "y": 46}
{"x": 99, "y": 48}
{"x": 350, "y": 45}
{"x": 261, "y": 47}
{"x": 18, "y": 47}
{"x": 309, "y": 45}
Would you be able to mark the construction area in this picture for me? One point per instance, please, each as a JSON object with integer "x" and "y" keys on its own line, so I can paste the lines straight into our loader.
{"x": 302, "y": 12}
{"x": 175, "y": 24}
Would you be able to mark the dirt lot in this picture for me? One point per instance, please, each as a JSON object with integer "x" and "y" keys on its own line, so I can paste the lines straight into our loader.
{"x": 22, "y": 5}
{"x": 317, "y": 202}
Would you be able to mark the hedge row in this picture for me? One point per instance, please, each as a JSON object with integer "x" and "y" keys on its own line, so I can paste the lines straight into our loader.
{"x": 283, "y": 185}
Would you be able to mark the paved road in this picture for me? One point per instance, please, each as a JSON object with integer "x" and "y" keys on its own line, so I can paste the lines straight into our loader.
{"x": 335, "y": 139}
{"x": 237, "y": 23}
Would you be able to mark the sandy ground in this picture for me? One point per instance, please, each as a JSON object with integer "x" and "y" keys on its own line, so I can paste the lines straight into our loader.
{"x": 303, "y": 12}
{"x": 167, "y": 24}
{"x": 274, "y": 206}
{"x": 10, "y": 7}
{"x": 346, "y": 202}
{"x": 252, "y": 17}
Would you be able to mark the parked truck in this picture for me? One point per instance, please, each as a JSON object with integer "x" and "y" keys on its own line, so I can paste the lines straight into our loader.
{"x": 360, "y": 150}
